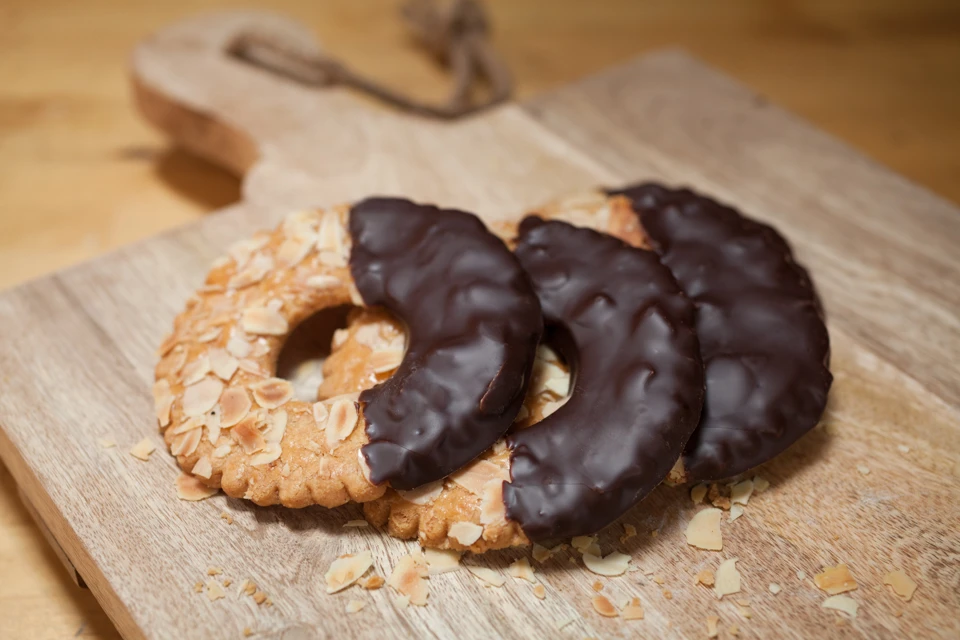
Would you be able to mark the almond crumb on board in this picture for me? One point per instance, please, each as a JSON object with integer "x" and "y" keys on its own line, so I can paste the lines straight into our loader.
{"x": 901, "y": 584}
{"x": 740, "y": 492}
{"x": 372, "y": 583}
{"x": 191, "y": 489}
{"x": 733, "y": 630}
{"x": 143, "y": 449}
{"x": 834, "y": 580}
{"x": 539, "y": 591}
{"x": 712, "y": 624}
{"x": 727, "y": 578}
{"x": 723, "y": 502}
{"x": 466, "y": 533}
{"x": 346, "y": 570}
{"x": 629, "y": 531}
{"x": 107, "y": 443}
{"x": 705, "y": 577}
{"x": 214, "y": 571}
{"x": 801, "y": 575}
{"x": 703, "y": 530}
{"x": 735, "y": 512}
{"x": 198, "y": 587}
{"x": 259, "y": 597}
{"x": 903, "y": 448}
{"x": 540, "y": 553}
{"x": 698, "y": 493}
{"x": 658, "y": 579}
{"x": 488, "y": 576}
{"x": 227, "y": 582}
{"x": 355, "y": 605}
{"x": 760, "y": 484}
{"x": 775, "y": 588}
{"x": 845, "y": 604}
{"x": 864, "y": 470}
{"x": 604, "y": 607}
{"x": 247, "y": 632}
{"x": 407, "y": 578}
{"x": 441, "y": 561}
{"x": 522, "y": 570}
{"x": 227, "y": 517}
{"x": 248, "y": 587}
{"x": 214, "y": 590}
{"x": 668, "y": 594}
{"x": 633, "y": 611}
{"x": 614, "y": 564}
{"x": 597, "y": 585}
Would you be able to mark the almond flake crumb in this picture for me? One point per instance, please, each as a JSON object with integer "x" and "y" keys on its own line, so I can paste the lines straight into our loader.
{"x": 735, "y": 512}
{"x": 698, "y": 493}
{"x": 706, "y": 578}
{"x": 727, "y": 579}
{"x": 901, "y": 584}
{"x": 372, "y": 583}
{"x": 143, "y": 449}
{"x": 722, "y": 502}
{"x": 191, "y": 489}
{"x": 198, "y": 587}
{"x": 522, "y": 570}
{"x": 668, "y": 594}
{"x": 584, "y": 544}
{"x": 439, "y": 561}
{"x": 712, "y": 624}
{"x": 615, "y": 564}
{"x": 801, "y": 575}
{"x": 422, "y": 495}
{"x": 597, "y": 585}
{"x": 703, "y": 530}
{"x": 633, "y": 611}
{"x": 407, "y": 579}
{"x": 740, "y": 493}
{"x": 247, "y": 632}
{"x": 346, "y": 570}
{"x": 658, "y": 579}
{"x": 226, "y": 517}
{"x": 733, "y": 630}
{"x": 760, "y": 484}
{"x": 541, "y": 554}
{"x": 903, "y": 448}
{"x": 214, "y": 571}
{"x": 539, "y": 591}
{"x": 203, "y": 468}
{"x": 562, "y": 622}
{"x": 604, "y": 607}
{"x": 355, "y": 605}
{"x": 743, "y": 602}
{"x": 227, "y": 582}
{"x": 864, "y": 470}
{"x": 488, "y": 576}
{"x": 775, "y": 588}
{"x": 248, "y": 587}
{"x": 834, "y": 580}
{"x": 214, "y": 591}
{"x": 259, "y": 597}
{"x": 845, "y": 604}
{"x": 466, "y": 533}
{"x": 629, "y": 531}
{"x": 107, "y": 443}
{"x": 402, "y": 602}
{"x": 355, "y": 523}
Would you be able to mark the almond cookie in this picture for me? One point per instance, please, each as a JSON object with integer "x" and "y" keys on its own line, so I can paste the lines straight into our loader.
{"x": 457, "y": 385}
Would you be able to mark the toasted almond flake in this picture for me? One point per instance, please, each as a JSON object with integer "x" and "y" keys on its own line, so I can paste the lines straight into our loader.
{"x": 185, "y": 427}
{"x": 492, "y": 508}
{"x": 385, "y": 361}
{"x": 143, "y": 449}
{"x": 346, "y": 570}
{"x": 200, "y": 397}
{"x": 597, "y": 585}
{"x": 658, "y": 579}
{"x": 864, "y": 470}
{"x": 901, "y": 584}
{"x": 330, "y": 232}
{"x": 705, "y": 577}
{"x": 295, "y": 248}
{"x": 728, "y": 578}
{"x": 248, "y": 436}
{"x": 196, "y": 370}
{"x": 775, "y": 588}
{"x": 583, "y": 544}
{"x": 212, "y": 422}
{"x": 902, "y": 448}
{"x": 740, "y": 493}
{"x": 177, "y": 359}
{"x": 522, "y": 570}
{"x": 760, "y": 484}
{"x": 320, "y": 414}
{"x": 210, "y": 334}
{"x": 363, "y": 466}
{"x": 271, "y": 451}
{"x": 238, "y": 347}
{"x": 372, "y": 583}
{"x": 407, "y": 578}
{"x": 252, "y": 273}
{"x": 276, "y": 427}
{"x": 354, "y": 606}
{"x": 107, "y": 443}
{"x": 834, "y": 580}
{"x": 633, "y": 611}
{"x": 540, "y": 553}
{"x": 603, "y": 606}
{"x": 241, "y": 250}
{"x": 629, "y": 531}
{"x": 227, "y": 518}
{"x": 203, "y": 468}
{"x": 703, "y": 530}
{"x": 332, "y": 259}
{"x": 162, "y": 401}
{"x": 168, "y": 343}
{"x": 191, "y": 489}
{"x": 355, "y": 524}
{"x": 259, "y": 597}
{"x": 323, "y": 281}
{"x": 722, "y": 502}
{"x": 263, "y": 321}
{"x": 735, "y": 512}
{"x": 549, "y": 408}
{"x": 214, "y": 591}
{"x": 272, "y": 392}
{"x": 355, "y": 296}
{"x": 222, "y": 451}
{"x": 563, "y": 622}
{"x": 614, "y": 564}
{"x": 198, "y": 587}
{"x": 474, "y": 476}
{"x": 466, "y": 533}
{"x": 539, "y": 591}
{"x": 368, "y": 335}
{"x": 668, "y": 594}
{"x": 424, "y": 494}
{"x": 712, "y": 624}
{"x": 248, "y": 587}
{"x": 222, "y": 363}
{"x": 214, "y": 571}
{"x": 845, "y": 604}
{"x": 186, "y": 443}
{"x": 441, "y": 561}
{"x": 487, "y": 576}
{"x": 341, "y": 422}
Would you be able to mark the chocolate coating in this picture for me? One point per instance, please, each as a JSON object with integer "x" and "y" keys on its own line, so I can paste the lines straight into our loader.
{"x": 762, "y": 334}
{"x": 473, "y": 322}
{"x": 626, "y": 329}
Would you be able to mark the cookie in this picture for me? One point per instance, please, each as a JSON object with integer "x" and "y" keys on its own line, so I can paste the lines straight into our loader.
{"x": 761, "y": 326}
{"x": 454, "y": 391}
{"x": 639, "y": 387}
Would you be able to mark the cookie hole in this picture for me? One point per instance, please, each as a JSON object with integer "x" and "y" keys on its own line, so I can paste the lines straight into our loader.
{"x": 307, "y": 347}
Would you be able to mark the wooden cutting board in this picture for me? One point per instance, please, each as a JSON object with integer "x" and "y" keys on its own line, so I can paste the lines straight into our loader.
{"x": 875, "y": 487}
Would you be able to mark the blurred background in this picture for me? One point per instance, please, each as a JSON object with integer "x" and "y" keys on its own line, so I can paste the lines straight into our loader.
{"x": 81, "y": 173}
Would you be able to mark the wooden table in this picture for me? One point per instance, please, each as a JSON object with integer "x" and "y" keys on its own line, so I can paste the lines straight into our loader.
{"x": 80, "y": 173}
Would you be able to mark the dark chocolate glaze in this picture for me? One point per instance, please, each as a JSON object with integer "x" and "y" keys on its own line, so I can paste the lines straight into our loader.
{"x": 623, "y": 324}
{"x": 762, "y": 334}
{"x": 473, "y": 323}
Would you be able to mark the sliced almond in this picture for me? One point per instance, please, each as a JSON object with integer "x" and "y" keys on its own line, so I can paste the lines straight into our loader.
{"x": 713, "y": 623}
{"x": 271, "y": 451}
{"x": 540, "y": 553}
{"x": 603, "y": 606}
{"x": 539, "y": 591}
{"x": 252, "y": 273}
{"x": 385, "y": 361}
{"x": 192, "y": 489}
{"x": 834, "y": 580}
{"x": 162, "y": 401}
{"x": 354, "y": 606}
{"x": 583, "y": 544}
{"x": 330, "y": 235}
{"x": 295, "y": 248}
{"x": 235, "y": 404}
{"x": 845, "y": 604}
{"x": 629, "y": 531}
{"x": 697, "y": 493}
{"x": 703, "y": 531}
{"x": 372, "y": 583}
{"x": 423, "y": 495}
{"x": 262, "y": 321}
{"x": 323, "y": 281}
{"x": 407, "y": 578}
{"x": 212, "y": 422}
{"x": 740, "y": 493}
{"x": 222, "y": 451}
{"x": 346, "y": 570}
{"x": 760, "y": 484}
{"x": 441, "y": 561}
{"x": 143, "y": 449}
{"x": 238, "y": 347}
{"x": 341, "y": 422}
{"x": 487, "y": 576}
{"x": 272, "y": 392}
{"x": 775, "y": 588}
{"x": 203, "y": 468}
{"x": 210, "y": 334}
{"x": 320, "y": 413}
{"x": 706, "y": 578}
{"x": 522, "y": 570}
{"x": 248, "y": 436}
{"x": 242, "y": 250}
{"x": 187, "y": 425}
{"x": 614, "y": 564}
{"x": 222, "y": 363}
{"x": 735, "y": 512}
{"x": 492, "y": 508}
{"x": 276, "y": 427}
{"x": 466, "y": 533}
{"x": 633, "y": 611}
{"x": 196, "y": 370}
{"x": 186, "y": 443}
{"x": 200, "y": 397}
{"x": 214, "y": 591}
{"x": 901, "y": 584}
{"x": 728, "y": 578}
{"x": 477, "y": 474}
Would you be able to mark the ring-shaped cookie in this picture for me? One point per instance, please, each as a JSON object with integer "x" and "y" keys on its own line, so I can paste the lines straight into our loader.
{"x": 233, "y": 424}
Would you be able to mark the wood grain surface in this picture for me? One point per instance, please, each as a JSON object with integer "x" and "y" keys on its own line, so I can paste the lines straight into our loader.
{"x": 41, "y": 595}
